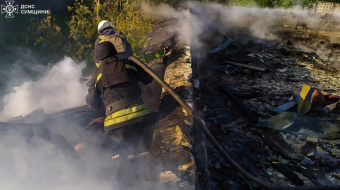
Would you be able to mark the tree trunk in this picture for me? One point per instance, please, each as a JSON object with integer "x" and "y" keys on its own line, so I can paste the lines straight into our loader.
{"x": 98, "y": 7}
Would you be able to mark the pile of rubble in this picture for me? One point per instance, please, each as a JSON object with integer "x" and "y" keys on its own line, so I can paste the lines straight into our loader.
{"x": 256, "y": 97}
{"x": 248, "y": 90}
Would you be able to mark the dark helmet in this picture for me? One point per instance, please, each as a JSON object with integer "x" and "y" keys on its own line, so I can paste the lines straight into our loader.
{"x": 104, "y": 49}
{"x": 104, "y": 25}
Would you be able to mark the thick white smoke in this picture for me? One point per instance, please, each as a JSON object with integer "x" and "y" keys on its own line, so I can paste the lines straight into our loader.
{"x": 195, "y": 18}
{"x": 36, "y": 163}
{"x": 58, "y": 89}
{"x": 201, "y": 24}
{"x": 41, "y": 156}
{"x": 33, "y": 157}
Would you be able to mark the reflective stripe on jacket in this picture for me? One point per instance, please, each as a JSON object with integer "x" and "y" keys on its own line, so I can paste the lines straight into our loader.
{"x": 126, "y": 114}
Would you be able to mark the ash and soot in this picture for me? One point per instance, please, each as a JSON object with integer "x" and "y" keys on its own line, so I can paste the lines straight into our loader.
{"x": 41, "y": 156}
{"x": 291, "y": 47}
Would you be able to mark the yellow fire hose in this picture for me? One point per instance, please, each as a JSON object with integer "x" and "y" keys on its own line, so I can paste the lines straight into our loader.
{"x": 214, "y": 142}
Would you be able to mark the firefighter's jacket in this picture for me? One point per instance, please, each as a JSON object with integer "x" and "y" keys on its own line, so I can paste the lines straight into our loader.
{"x": 124, "y": 44}
{"x": 115, "y": 84}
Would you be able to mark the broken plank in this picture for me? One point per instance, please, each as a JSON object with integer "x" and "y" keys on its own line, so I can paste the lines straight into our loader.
{"x": 247, "y": 66}
{"x": 278, "y": 144}
{"x": 239, "y": 103}
{"x": 223, "y": 46}
{"x": 288, "y": 173}
{"x": 286, "y": 106}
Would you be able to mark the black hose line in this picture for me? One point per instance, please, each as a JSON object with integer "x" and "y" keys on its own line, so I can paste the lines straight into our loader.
{"x": 214, "y": 142}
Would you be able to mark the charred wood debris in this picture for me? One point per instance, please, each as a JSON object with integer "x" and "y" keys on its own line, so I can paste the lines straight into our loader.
{"x": 274, "y": 108}
{"x": 248, "y": 91}
{"x": 272, "y": 105}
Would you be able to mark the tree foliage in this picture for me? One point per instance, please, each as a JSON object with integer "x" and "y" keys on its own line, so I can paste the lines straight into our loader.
{"x": 75, "y": 34}
{"x": 133, "y": 22}
{"x": 126, "y": 16}
{"x": 265, "y": 3}
{"x": 82, "y": 29}
{"x": 308, "y": 3}
{"x": 46, "y": 36}
{"x": 284, "y": 3}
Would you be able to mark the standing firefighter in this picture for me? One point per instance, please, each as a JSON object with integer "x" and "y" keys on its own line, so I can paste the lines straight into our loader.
{"x": 107, "y": 33}
{"x": 116, "y": 85}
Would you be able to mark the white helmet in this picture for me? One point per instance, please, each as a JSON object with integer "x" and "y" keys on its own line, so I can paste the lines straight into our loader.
{"x": 103, "y": 25}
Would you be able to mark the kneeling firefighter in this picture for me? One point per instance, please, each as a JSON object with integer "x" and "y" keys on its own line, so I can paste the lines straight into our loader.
{"x": 116, "y": 86}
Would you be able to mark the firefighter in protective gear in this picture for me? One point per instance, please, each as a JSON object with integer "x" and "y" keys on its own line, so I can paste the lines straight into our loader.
{"x": 116, "y": 85}
{"x": 107, "y": 33}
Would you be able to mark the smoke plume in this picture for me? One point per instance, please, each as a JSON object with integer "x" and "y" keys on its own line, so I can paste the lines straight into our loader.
{"x": 39, "y": 156}
{"x": 56, "y": 90}
{"x": 201, "y": 25}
